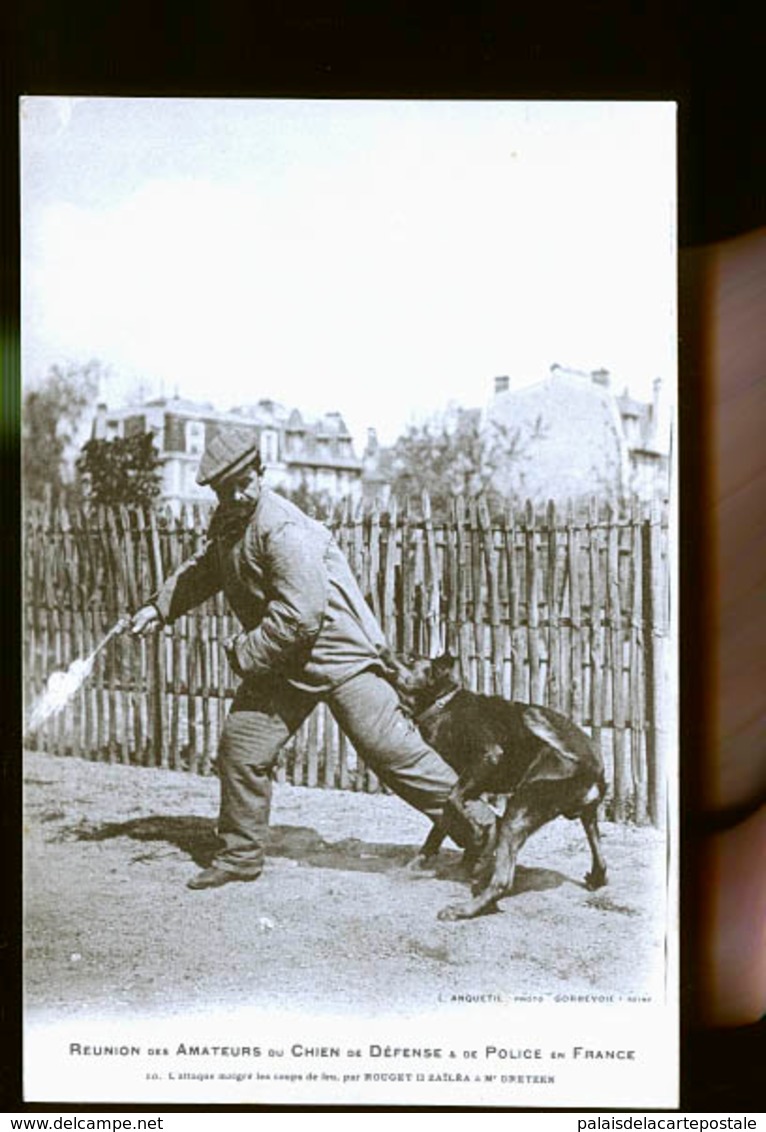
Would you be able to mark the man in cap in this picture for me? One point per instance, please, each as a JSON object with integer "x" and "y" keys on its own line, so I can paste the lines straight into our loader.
{"x": 307, "y": 634}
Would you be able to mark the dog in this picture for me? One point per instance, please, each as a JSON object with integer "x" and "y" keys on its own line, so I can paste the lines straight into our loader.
{"x": 543, "y": 763}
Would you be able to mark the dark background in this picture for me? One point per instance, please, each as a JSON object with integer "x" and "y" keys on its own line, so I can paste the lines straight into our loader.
{"x": 710, "y": 62}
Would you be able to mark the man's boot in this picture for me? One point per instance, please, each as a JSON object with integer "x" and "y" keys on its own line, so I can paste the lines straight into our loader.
{"x": 213, "y": 877}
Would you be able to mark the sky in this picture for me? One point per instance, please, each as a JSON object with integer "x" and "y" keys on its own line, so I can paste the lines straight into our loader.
{"x": 382, "y": 259}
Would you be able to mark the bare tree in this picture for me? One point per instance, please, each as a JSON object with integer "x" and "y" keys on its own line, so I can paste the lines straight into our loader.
{"x": 52, "y": 411}
{"x": 454, "y": 453}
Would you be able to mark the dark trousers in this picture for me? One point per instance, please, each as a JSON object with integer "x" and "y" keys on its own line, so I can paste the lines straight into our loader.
{"x": 267, "y": 712}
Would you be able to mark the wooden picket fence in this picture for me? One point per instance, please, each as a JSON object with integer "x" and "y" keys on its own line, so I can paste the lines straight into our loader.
{"x": 567, "y": 608}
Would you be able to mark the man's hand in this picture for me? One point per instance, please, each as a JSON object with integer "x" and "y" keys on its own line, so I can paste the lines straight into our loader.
{"x": 230, "y": 648}
{"x": 145, "y": 620}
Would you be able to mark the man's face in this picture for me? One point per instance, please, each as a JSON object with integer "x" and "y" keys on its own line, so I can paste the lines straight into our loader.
{"x": 239, "y": 488}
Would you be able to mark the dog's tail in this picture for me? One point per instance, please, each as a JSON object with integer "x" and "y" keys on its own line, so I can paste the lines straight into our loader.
{"x": 536, "y": 722}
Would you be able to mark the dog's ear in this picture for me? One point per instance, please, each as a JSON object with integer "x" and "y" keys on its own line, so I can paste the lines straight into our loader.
{"x": 447, "y": 665}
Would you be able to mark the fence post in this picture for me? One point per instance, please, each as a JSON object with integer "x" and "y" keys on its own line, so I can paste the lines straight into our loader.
{"x": 493, "y": 602}
{"x": 431, "y": 588}
{"x": 553, "y": 683}
{"x": 614, "y": 621}
{"x": 575, "y": 618}
{"x": 657, "y": 674}
{"x": 406, "y": 581}
{"x": 375, "y": 561}
{"x": 533, "y": 610}
{"x": 596, "y": 709}
{"x": 637, "y": 668}
{"x": 138, "y": 648}
{"x": 477, "y": 599}
{"x": 461, "y": 586}
{"x": 389, "y": 618}
{"x": 157, "y": 652}
{"x": 451, "y": 582}
{"x": 513, "y": 574}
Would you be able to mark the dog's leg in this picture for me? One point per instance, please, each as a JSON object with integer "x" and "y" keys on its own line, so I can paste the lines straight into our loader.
{"x": 461, "y": 820}
{"x": 519, "y": 821}
{"x": 479, "y": 857}
{"x": 596, "y": 878}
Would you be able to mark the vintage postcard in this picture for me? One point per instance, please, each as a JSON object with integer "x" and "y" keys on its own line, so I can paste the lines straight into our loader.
{"x": 350, "y": 602}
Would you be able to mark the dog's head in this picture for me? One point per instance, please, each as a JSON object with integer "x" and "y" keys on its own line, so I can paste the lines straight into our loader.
{"x": 419, "y": 681}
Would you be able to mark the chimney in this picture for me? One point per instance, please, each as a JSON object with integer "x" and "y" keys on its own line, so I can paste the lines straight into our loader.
{"x": 372, "y": 442}
{"x": 601, "y": 377}
{"x": 99, "y": 429}
{"x": 502, "y": 384}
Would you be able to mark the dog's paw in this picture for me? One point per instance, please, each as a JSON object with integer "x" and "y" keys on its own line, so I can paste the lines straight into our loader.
{"x": 453, "y": 912}
{"x": 421, "y": 866}
{"x": 595, "y": 879}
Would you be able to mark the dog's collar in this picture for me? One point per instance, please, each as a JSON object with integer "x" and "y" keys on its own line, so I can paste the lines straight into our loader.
{"x": 437, "y": 705}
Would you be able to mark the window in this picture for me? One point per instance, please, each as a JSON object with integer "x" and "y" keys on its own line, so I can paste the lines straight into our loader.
{"x": 269, "y": 447}
{"x": 195, "y": 437}
{"x": 175, "y": 440}
{"x": 135, "y": 426}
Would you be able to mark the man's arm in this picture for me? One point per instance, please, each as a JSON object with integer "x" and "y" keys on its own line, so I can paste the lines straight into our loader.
{"x": 296, "y": 578}
{"x": 193, "y": 582}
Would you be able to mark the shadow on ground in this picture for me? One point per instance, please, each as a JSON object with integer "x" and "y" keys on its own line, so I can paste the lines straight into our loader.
{"x": 196, "y": 838}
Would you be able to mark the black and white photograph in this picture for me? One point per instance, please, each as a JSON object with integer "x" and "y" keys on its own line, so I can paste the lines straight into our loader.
{"x": 350, "y": 601}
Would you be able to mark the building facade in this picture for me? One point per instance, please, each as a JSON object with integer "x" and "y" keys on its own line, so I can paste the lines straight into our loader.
{"x": 577, "y": 439}
{"x": 313, "y": 456}
{"x": 566, "y": 437}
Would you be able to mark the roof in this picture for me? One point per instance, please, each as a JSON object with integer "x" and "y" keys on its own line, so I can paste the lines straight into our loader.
{"x": 176, "y": 404}
{"x": 263, "y": 412}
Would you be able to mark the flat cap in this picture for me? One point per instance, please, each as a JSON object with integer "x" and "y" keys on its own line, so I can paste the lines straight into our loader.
{"x": 226, "y": 453}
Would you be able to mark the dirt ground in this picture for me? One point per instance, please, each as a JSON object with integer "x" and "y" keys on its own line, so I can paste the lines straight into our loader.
{"x": 335, "y": 922}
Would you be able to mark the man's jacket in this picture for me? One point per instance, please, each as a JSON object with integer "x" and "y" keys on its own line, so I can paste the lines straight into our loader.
{"x": 302, "y": 612}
